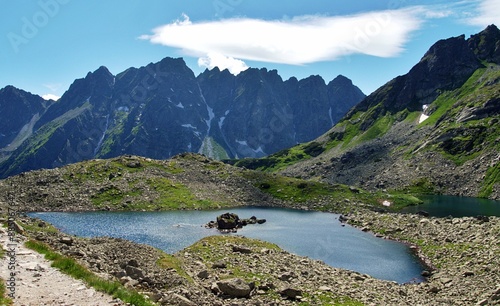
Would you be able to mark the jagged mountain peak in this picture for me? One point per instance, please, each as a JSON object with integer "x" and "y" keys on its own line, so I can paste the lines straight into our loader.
{"x": 486, "y": 44}
{"x": 168, "y": 65}
{"x": 446, "y": 66}
{"x": 12, "y": 90}
{"x": 163, "y": 109}
{"x": 19, "y": 110}
{"x": 173, "y": 62}
{"x": 341, "y": 80}
{"x": 315, "y": 79}
{"x": 101, "y": 71}
{"x": 11, "y": 95}
{"x": 434, "y": 128}
{"x": 9, "y": 88}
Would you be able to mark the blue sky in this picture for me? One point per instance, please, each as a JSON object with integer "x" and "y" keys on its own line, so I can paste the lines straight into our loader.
{"x": 46, "y": 44}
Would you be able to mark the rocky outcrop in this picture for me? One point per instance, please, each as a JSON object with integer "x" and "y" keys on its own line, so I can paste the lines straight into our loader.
{"x": 230, "y": 222}
{"x": 486, "y": 44}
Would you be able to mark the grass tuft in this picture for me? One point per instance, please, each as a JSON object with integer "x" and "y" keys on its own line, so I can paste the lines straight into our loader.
{"x": 72, "y": 268}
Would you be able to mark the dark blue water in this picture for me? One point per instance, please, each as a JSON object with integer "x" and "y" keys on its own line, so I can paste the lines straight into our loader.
{"x": 314, "y": 234}
{"x": 443, "y": 206}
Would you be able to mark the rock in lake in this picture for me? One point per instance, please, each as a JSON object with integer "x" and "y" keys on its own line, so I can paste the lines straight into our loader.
{"x": 228, "y": 221}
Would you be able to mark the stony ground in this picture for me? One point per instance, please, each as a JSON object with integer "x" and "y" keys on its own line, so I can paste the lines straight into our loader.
{"x": 464, "y": 253}
{"x": 384, "y": 163}
{"x": 37, "y": 283}
{"x": 122, "y": 183}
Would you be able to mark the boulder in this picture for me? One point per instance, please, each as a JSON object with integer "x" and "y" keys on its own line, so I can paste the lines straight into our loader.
{"x": 134, "y": 272}
{"x": 423, "y": 213}
{"x": 203, "y": 274}
{"x": 483, "y": 218}
{"x": 16, "y": 227}
{"x": 228, "y": 221}
{"x": 241, "y": 249}
{"x": 66, "y": 240}
{"x": 182, "y": 300}
{"x": 291, "y": 293}
{"x": 219, "y": 265}
{"x": 235, "y": 287}
{"x": 287, "y": 276}
{"x": 426, "y": 273}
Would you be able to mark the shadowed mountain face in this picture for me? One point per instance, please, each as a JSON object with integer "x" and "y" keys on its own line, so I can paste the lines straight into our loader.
{"x": 163, "y": 109}
{"x": 435, "y": 129}
{"x": 19, "y": 112}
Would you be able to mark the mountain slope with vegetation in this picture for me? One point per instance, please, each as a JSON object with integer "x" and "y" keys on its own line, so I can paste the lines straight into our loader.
{"x": 187, "y": 181}
{"x": 435, "y": 129}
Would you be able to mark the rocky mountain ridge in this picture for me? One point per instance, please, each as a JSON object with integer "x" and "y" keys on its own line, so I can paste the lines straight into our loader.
{"x": 163, "y": 109}
{"x": 17, "y": 118}
{"x": 434, "y": 129}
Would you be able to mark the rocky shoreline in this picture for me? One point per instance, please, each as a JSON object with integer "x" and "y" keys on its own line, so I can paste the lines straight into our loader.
{"x": 464, "y": 254}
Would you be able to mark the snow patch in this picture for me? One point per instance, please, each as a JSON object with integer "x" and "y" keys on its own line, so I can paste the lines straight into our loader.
{"x": 189, "y": 126}
{"x": 180, "y": 105}
{"x": 331, "y": 117}
{"x": 259, "y": 150}
{"x": 221, "y": 122}
{"x": 245, "y": 149}
{"x": 423, "y": 116}
{"x": 99, "y": 144}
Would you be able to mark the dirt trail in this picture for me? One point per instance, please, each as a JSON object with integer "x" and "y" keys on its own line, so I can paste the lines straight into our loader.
{"x": 37, "y": 283}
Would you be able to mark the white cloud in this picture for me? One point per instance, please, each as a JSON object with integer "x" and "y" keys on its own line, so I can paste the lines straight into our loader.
{"x": 297, "y": 41}
{"x": 488, "y": 13}
{"x": 212, "y": 60}
{"x": 50, "y": 97}
{"x": 438, "y": 14}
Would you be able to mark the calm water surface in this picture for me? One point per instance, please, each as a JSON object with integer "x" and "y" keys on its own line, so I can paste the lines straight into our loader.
{"x": 443, "y": 206}
{"x": 313, "y": 234}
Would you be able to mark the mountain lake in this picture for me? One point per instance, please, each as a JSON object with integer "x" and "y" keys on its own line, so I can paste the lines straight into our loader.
{"x": 316, "y": 235}
{"x": 444, "y": 206}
